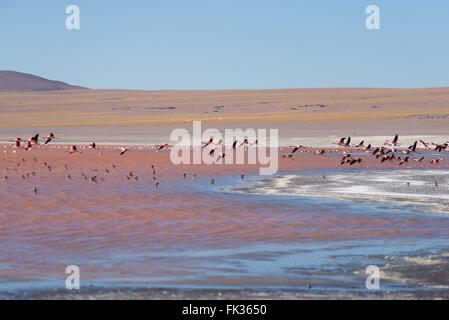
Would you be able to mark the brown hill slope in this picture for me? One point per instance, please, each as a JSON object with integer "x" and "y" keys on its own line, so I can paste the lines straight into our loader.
{"x": 12, "y": 81}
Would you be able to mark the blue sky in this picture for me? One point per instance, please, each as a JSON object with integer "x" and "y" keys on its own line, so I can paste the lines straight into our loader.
{"x": 228, "y": 44}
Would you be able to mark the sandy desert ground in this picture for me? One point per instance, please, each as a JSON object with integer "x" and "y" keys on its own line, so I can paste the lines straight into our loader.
{"x": 147, "y": 117}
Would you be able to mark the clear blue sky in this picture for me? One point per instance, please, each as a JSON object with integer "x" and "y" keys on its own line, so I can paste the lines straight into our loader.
{"x": 241, "y": 44}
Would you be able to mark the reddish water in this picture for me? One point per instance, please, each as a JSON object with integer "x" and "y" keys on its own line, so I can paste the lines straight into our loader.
{"x": 184, "y": 231}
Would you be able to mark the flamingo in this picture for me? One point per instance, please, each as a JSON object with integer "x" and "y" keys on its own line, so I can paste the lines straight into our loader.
{"x": 208, "y": 142}
{"x": 50, "y": 137}
{"x": 296, "y": 148}
{"x": 419, "y": 160}
{"x": 440, "y": 147}
{"x": 73, "y": 149}
{"x": 35, "y": 139}
{"x": 341, "y": 142}
{"x": 123, "y": 150}
{"x": 221, "y": 156}
{"x": 18, "y": 141}
{"x": 437, "y": 160}
{"x": 378, "y": 149}
{"x": 394, "y": 142}
{"x": 425, "y": 144}
{"x": 403, "y": 161}
{"x": 385, "y": 158}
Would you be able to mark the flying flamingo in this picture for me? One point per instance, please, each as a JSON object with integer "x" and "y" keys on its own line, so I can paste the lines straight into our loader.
{"x": 123, "y": 150}
{"x": 355, "y": 160}
{"x": 50, "y": 137}
{"x": 341, "y": 142}
{"x": 73, "y": 149}
{"x": 437, "y": 160}
{"x": 18, "y": 141}
{"x": 392, "y": 143}
{"x": 35, "y": 139}
{"x": 403, "y": 161}
{"x": 208, "y": 142}
{"x": 425, "y": 144}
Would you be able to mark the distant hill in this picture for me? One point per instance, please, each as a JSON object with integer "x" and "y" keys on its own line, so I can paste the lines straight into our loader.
{"x": 12, "y": 81}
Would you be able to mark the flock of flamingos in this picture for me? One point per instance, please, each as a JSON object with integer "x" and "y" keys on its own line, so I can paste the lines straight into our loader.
{"x": 387, "y": 152}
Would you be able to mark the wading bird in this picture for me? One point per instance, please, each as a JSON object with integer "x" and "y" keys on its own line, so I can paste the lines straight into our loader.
{"x": 221, "y": 156}
{"x": 287, "y": 156}
{"x": 437, "y": 160}
{"x": 35, "y": 139}
{"x": 341, "y": 142}
{"x": 123, "y": 150}
{"x": 296, "y": 148}
{"x": 405, "y": 160}
{"x": 411, "y": 149}
{"x": 425, "y": 144}
{"x": 208, "y": 142}
{"x": 419, "y": 160}
{"x": 394, "y": 142}
{"x": 355, "y": 160}
{"x": 348, "y": 141}
{"x": 73, "y": 149}
{"x": 18, "y": 141}
{"x": 440, "y": 147}
{"x": 50, "y": 137}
